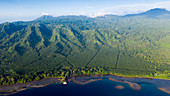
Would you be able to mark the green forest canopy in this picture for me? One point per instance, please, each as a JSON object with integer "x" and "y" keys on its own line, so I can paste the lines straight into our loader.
{"x": 136, "y": 45}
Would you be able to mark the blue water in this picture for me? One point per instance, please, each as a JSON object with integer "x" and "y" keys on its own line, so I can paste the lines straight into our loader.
{"x": 103, "y": 87}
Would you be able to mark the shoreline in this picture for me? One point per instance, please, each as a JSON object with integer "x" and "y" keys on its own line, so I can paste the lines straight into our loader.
{"x": 122, "y": 76}
{"x": 138, "y": 77}
{"x": 96, "y": 75}
{"x": 12, "y": 89}
{"x": 164, "y": 90}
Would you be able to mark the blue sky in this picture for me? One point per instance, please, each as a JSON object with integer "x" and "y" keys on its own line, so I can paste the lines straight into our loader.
{"x": 24, "y": 10}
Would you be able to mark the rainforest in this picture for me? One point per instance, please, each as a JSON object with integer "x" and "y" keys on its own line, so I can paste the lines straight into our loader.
{"x": 133, "y": 45}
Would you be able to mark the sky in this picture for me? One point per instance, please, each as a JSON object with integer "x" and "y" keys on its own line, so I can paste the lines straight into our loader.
{"x": 26, "y": 10}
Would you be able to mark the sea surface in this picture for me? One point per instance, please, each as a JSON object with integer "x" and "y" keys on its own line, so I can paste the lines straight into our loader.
{"x": 101, "y": 86}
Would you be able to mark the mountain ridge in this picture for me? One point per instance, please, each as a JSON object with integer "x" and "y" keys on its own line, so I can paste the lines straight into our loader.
{"x": 76, "y": 45}
{"x": 150, "y": 13}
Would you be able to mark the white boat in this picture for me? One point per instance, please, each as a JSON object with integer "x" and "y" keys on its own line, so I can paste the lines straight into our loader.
{"x": 64, "y": 83}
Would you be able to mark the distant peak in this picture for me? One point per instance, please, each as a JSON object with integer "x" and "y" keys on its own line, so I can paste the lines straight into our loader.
{"x": 158, "y": 10}
{"x": 45, "y": 17}
{"x": 152, "y": 12}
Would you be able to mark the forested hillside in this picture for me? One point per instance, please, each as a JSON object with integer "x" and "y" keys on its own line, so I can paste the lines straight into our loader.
{"x": 131, "y": 45}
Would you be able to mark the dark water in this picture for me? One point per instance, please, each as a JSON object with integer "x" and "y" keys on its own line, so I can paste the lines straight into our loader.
{"x": 102, "y": 87}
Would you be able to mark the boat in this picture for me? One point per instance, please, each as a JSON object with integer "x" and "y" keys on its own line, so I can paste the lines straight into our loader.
{"x": 64, "y": 82}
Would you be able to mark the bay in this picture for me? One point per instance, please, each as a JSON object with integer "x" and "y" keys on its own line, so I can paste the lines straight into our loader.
{"x": 102, "y": 86}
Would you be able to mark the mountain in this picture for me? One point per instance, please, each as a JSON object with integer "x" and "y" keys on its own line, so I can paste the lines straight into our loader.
{"x": 154, "y": 13}
{"x": 76, "y": 45}
{"x": 45, "y": 17}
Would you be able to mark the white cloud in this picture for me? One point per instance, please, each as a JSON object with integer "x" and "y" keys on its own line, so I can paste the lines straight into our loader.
{"x": 125, "y": 9}
{"x": 136, "y": 8}
{"x": 45, "y": 14}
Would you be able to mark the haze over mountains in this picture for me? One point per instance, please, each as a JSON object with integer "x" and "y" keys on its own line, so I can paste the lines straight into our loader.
{"x": 152, "y": 13}
{"x": 139, "y": 43}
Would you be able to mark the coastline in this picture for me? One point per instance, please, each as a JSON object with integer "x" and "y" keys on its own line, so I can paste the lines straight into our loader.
{"x": 164, "y": 90}
{"x": 12, "y": 89}
{"x": 78, "y": 79}
{"x": 142, "y": 77}
{"x": 122, "y": 76}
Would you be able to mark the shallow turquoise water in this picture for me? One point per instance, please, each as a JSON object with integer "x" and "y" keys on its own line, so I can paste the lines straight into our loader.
{"x": 102, "y": 87}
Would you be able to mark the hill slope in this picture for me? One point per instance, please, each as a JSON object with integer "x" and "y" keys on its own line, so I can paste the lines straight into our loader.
{"x": 75, "y": 45}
